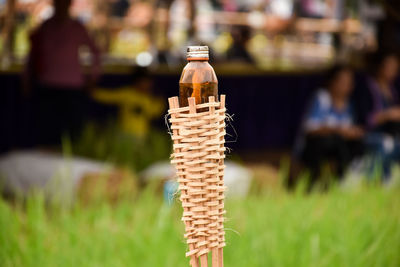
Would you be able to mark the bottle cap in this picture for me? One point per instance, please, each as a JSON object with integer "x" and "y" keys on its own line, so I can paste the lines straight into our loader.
{"x": 197, "y": 52}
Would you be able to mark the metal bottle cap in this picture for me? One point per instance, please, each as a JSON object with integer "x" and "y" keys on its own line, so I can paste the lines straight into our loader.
{"x": 197, "y": 52}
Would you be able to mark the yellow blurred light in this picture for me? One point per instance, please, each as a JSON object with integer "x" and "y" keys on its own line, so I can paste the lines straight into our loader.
{"x": 223, "y": 42}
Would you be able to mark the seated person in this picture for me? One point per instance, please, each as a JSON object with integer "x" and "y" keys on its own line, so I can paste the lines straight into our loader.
{"x": 138, "y": 106}
{"x": 328, "y": 129}
{"x": 383, "y": 111}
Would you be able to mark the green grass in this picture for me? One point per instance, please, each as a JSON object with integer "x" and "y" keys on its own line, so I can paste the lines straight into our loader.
{"x": 353, "y": 228}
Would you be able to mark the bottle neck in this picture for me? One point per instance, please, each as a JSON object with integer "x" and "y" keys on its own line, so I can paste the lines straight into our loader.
{"x": 197, "y": 59}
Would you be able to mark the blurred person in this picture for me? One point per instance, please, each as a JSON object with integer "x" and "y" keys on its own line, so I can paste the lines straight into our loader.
{"x": 228, "y": 5}
{"x": 329, "y": 130}
{"x": 238, "y": 51}
{"x": 388, "y": 27}
{"x": 54, "y": 75}
{"x": 119, "y": 8}
{"x": 138, "y": 106}
{"x": 100, "y": 25}
{"x": 320, "y": 9}
{"x": 159, "y": 30}
{"x": 382, "y": 110}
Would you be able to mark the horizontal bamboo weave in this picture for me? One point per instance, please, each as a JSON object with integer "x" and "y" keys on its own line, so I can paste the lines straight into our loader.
{"x": 198, "y": 154}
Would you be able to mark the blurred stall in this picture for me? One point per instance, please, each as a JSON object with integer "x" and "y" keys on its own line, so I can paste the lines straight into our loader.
{"x": 268, "y": 53}
{"x": 282, "y": 33}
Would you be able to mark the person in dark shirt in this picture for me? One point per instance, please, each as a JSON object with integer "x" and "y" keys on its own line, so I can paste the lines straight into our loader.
{"x": 238, "y": 51}
{"x": 382, "y": 115}
{"x": 55, "y": 78}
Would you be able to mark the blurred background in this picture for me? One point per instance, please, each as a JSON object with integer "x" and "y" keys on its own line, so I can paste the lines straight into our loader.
{"x": 268, "y": 55}
{"x": 312, "y": 90}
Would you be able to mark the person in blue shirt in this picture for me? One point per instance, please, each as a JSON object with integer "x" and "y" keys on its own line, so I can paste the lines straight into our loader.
{"x": 329, "y": 131}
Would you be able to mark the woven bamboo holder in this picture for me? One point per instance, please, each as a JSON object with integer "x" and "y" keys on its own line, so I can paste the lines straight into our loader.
{"x": 198, "y": 134}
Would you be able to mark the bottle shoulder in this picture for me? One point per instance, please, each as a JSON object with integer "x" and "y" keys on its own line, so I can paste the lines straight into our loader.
{"x": 199, "y": 72}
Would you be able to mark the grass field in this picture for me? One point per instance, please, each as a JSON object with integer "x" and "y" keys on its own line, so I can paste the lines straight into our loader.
{"x": 341, "y": 228}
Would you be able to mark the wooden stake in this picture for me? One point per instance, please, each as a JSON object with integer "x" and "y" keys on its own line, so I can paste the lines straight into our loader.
{"x": 174, "y": 103}
{"x": 192, "y": 110}
{"x": 215, "y": 253}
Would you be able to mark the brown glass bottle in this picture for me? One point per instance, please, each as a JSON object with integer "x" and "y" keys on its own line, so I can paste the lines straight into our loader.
{"x": 198, "y": 78}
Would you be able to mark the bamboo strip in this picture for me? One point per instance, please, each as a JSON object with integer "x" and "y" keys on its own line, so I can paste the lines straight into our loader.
{"x": 215, "y": 253}
{"x": 221, "y": 202}
{"x": 174, "y": 103}
{"x": 192, "y": 110}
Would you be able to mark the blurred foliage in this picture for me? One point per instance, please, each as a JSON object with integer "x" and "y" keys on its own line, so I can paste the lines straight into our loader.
{"x": 109, "y": 186}
{"x": 339, "y": 228}
{"x": 110, "y": 143}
